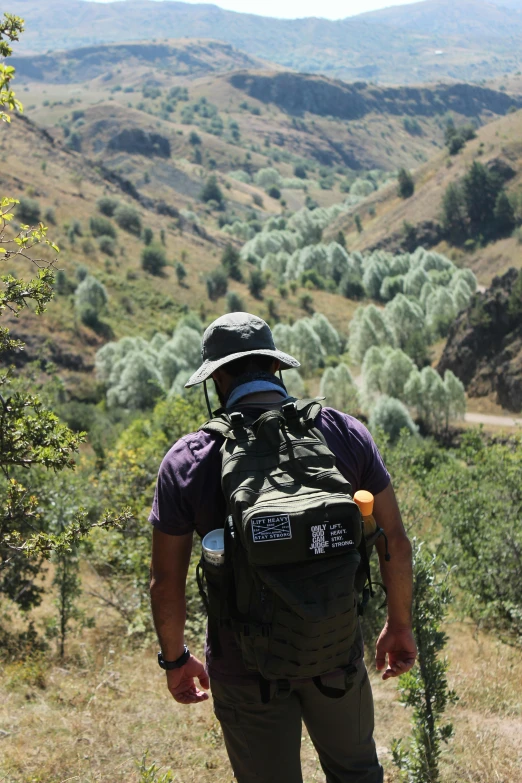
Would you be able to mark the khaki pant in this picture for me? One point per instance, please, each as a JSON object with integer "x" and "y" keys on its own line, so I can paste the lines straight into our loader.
{"x": 264, "y": 740}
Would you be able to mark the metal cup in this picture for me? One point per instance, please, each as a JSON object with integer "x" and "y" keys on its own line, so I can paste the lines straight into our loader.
{"x": 213, "y": 546}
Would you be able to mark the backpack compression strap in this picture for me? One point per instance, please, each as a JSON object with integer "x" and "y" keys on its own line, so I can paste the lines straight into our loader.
{"x": 234, "y": 424}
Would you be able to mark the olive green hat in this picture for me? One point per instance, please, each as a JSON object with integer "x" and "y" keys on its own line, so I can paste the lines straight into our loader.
{"x": 234, "y": 336}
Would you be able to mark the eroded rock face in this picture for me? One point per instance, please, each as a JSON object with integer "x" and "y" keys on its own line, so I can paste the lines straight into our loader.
{"x": 298, "y": 93}
{"x": 136, "y": 141}
{"x": 484, "y": 347}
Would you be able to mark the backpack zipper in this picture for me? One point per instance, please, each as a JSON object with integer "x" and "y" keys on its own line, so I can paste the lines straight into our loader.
{"x": 283, "y": 447}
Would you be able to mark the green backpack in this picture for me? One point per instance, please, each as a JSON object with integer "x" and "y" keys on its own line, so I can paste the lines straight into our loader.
{"x": 295, "y": 557}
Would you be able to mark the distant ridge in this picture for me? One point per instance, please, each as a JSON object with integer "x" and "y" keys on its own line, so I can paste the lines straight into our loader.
{"x": 468, "y": 40}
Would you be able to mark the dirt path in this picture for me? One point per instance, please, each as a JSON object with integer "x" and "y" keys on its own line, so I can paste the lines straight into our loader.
{"x": 497, "y": 421}
{"x": 473, "y": 418}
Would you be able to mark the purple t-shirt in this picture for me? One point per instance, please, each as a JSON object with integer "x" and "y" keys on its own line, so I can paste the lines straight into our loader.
{"x": 188, "y": 497}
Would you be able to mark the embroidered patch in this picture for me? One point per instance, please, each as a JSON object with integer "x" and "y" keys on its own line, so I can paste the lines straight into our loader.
{"x": 329, "y": 535}
{"x": 271, "y": 528}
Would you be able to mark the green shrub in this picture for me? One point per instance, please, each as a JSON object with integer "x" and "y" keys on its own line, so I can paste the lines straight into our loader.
{"x": 101, "y": 226}
{"x": 391, "y": 416}
{"x": 153, "y": 259}
{"x": 50, "y": 216}
{"x": 81, "y": 272}
{"x": 425, "y": 687}
{"x": 107, "y": 205}
{"x": 128, "y": 218}
{"x": 148, "y": 235}
{"x": 107, "y": 245}
{"x": 256, "y": 283}
{"x": 274, "y": 192}
{"x": 406, "y": 185}
{"x": 181, "y": 272}
{"x": 212, "y": 192}
{"x": 90, "y": 300}
{"x": 217, "y": 284}
{"x": 306, "y": 302}
{"x": 234, "y": 303}
{"x": 28, "y": 211}
{"x": 231, "y": 263}
{"x": 482, "y": 535}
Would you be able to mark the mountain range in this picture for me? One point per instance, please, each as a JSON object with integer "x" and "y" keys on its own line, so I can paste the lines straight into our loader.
{"x": 429, "y": 41}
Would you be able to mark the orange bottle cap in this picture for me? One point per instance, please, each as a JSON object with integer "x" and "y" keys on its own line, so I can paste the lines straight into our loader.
{"x": 364, "y": 500}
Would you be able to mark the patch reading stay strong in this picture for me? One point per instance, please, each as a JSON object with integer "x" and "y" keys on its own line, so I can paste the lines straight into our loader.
{"x": 327, "y": 536}
{"x": 271, "y": 528}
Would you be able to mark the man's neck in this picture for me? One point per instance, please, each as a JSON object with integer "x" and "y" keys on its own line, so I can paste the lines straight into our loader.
{"x": 261, "y": 397}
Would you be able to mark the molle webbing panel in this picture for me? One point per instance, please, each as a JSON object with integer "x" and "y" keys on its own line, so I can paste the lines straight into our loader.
{"x": 293, "y": 543}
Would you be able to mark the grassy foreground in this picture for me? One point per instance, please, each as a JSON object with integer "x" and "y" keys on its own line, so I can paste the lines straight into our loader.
{"x": 94, "y": 716}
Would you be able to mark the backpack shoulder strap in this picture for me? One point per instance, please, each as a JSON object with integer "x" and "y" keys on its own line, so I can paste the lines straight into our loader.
{"x": 302, "y": 412}
{"x": 232, "y": 426}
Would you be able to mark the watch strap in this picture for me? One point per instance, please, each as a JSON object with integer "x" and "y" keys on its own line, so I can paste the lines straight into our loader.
{"x": 178, "y": 663}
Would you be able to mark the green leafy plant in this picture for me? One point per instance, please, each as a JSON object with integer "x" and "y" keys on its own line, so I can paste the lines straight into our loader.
{"x": 10, "y": 29}
{"x": 31, "y": 436}
{"x": 425, "y": 687}
{"x": 153, "y": 259}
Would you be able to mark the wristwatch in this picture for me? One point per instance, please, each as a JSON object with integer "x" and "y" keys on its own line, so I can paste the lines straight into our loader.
{"x": 178, "y": 663}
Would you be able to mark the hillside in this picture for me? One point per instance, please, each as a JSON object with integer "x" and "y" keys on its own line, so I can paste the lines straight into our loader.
{"x": 484, "y": 347}
{"x": 182, "y": 58}
{"x": 385, "y": 215}
{"x": 437, "y": 40}
{"x": 66, "y": 187}
{"x": 278, "y": 118}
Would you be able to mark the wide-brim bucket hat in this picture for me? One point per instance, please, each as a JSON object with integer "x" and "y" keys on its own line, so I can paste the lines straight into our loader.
{"x": 234, "y": 336}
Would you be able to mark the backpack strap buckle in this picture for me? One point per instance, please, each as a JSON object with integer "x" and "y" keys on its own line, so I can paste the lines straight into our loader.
{"x": 289, "y": 409}
{"x": 236, "y": 419}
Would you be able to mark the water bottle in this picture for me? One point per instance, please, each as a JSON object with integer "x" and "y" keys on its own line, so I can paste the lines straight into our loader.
{"x": 364, "y": 500}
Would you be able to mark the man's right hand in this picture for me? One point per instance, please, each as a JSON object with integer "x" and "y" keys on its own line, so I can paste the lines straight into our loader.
{"x": 398, "y": 645}
{"x": 181, "y": 683}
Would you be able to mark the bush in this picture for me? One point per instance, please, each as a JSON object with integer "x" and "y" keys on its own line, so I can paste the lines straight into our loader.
{"x": 300, "y": 171}
{"x": 406, "y": 185}
{"x": 153, "y": 259}
{"x": 234, "y": 303}
{"x": 181, "y": 272}
{"x": 391, "y": 416}
{"x": 128, "y": 218}
{"x": 217, "y": 284}
{"x": 28, "y": 211}
{"x": 306, "y": 302}
{"x": 351, "y": 286}
{"x": 231, "y": 263}
{"x": 148, "y": 235}
{"x": 483, "y": 537}
{"x": 107, "y": 245}
{"x": 90, "y": 300}
{"x": 212, "y": 192}
{"x": 81, "y": 272}
{"x": 50, "y": 216}
{"x": 100, "y": 226}
{"x": 107, "y": 205}
{"x": 274, "y": 192}
{"x": 256, "y": 283}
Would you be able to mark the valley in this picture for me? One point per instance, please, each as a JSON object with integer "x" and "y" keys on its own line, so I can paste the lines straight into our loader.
{"x": 358, "y": 185}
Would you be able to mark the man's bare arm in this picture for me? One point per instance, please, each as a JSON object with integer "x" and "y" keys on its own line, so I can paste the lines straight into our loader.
{"x": 168, "y": 576}
{"x": 396, "y": 640}
{"x": 169, "y": 568}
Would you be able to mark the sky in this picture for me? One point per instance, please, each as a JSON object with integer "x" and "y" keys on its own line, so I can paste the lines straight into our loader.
{"x": 293, "y": 9}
